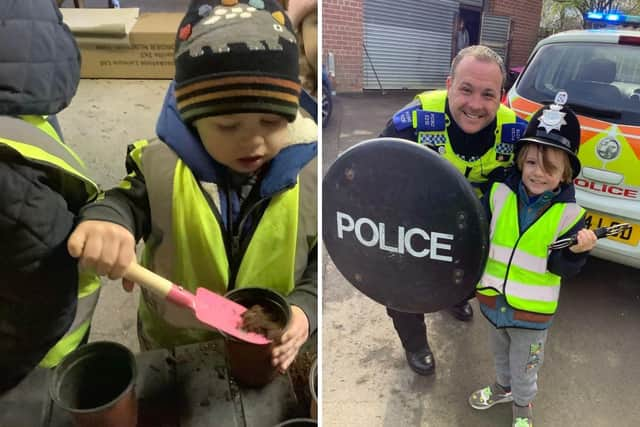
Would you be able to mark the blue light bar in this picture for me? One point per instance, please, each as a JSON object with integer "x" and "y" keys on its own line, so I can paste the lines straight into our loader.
{"x": 613, "y": 18}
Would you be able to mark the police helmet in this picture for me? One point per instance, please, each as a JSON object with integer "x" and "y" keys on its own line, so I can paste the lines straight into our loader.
{"x": 555, "y": 125}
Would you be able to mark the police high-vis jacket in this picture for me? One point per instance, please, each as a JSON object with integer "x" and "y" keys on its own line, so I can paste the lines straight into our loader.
{"x": 425, "y": 121}
{"x": 198, "y": 234}
{"x": 520, "y": 266}
{"x": 44, "y": 186}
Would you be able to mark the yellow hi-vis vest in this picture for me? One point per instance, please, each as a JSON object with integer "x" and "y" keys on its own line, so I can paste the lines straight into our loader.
{"x": 34, "y": 139}
{"x": 517, "y": 265}
{"x": 187, "y": 244}
{"x": 500, "y": 155}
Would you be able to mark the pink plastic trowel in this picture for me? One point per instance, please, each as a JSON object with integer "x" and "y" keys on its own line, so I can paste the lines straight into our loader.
{"x": 209, "y": 308}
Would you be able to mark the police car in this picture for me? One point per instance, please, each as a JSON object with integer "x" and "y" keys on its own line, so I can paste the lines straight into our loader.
{"x": 600, "y": 71}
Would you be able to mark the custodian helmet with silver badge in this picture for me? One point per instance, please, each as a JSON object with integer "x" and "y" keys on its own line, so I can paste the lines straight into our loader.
{"x": 555, "y": 125}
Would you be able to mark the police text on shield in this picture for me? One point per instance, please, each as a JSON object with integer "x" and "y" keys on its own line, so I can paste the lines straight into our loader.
{"x": 370, "y": 234}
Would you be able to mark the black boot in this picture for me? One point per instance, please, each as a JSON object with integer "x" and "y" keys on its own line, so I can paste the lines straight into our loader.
{"x": 421, "y": 361}
{"x": 462, "y": 311}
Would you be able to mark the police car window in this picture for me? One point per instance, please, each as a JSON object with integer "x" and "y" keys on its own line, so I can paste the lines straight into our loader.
{"x": 603, "y": 78}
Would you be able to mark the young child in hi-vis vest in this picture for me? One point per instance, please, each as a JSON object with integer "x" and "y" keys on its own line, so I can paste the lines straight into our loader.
{"x": 226, "y": 196}
{"x": 519, "y": 290}
{"x": 43, "y": 185}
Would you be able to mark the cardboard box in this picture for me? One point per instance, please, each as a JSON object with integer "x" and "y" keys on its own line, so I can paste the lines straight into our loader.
{"x": 119, "y": 44}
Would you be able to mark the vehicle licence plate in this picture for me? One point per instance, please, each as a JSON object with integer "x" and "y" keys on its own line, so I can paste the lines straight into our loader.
{"x": 630, "y": 236}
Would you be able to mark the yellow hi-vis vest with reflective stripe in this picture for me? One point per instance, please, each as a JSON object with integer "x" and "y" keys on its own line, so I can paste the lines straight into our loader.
{"x": 187, "y": 245}
{"x": 475, "y": 171}
{"x": 517, "y": 265}
{"x": 34, "y": 139}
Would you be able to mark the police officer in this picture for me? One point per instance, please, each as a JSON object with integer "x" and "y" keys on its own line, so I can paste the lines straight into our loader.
{"x": 469, "y": 127}
{"x": 46, "y": 303}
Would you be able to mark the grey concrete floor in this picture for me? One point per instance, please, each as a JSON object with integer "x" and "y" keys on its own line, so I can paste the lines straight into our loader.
{"x": 590, "y": 375}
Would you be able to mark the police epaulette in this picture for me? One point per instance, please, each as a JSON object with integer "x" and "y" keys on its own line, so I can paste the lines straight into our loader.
{"x": 429, "y": 121}
{"x": 512, "y": 132}
{"x": 403, "y": 119}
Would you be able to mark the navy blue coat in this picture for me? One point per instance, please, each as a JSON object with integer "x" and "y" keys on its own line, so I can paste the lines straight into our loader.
{"x": 39, "y": 74}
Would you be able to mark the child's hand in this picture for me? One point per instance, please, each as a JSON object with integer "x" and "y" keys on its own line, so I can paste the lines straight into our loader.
{"x": 586, "y": 241}
{"x": 286, "y": 349}
{"x": 105, "y": 247}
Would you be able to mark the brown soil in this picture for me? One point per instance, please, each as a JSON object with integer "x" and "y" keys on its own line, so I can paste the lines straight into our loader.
{"x": 257, "y": 319}
{"x": 299, "y": 373}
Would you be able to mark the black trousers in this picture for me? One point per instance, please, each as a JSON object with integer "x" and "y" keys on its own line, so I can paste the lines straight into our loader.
{"x": 412, "y": 329}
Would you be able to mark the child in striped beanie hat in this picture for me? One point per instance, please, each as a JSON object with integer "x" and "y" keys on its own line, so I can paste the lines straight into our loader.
{"x": 226, "y": 195}
{"x": 237, "y": 75}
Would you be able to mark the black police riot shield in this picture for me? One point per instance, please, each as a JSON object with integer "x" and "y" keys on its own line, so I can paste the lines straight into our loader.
{"x": 403, "y": 226}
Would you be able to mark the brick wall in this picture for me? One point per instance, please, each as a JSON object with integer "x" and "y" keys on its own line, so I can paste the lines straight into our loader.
{"x": 342, "y": 30}
{"x": 525, "y": 20}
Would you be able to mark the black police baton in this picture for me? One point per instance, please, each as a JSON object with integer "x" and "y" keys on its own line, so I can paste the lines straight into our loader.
{"x": 599, "y": 232}
{"x": 403, "y": 226}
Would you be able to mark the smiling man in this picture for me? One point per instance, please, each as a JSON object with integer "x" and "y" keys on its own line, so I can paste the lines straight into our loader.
{"x": 469, "y": 127}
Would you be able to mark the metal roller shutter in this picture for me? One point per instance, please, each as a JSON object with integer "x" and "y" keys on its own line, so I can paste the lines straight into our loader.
{"x": 407, "y": 43}
{"x": 495, "y": 34}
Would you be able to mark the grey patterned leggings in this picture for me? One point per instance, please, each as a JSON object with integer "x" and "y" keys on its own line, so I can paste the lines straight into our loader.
{"x": 518, "y": 355}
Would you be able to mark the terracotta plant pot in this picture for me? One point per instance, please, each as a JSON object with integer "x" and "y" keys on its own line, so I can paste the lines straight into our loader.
{"x": 96, "y": 385}
{"x": 250, "y": 364}
{"x": 313, "y": 389}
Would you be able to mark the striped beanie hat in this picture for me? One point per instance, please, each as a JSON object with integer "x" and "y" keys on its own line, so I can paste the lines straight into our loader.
{"x": 236, "y": 56}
